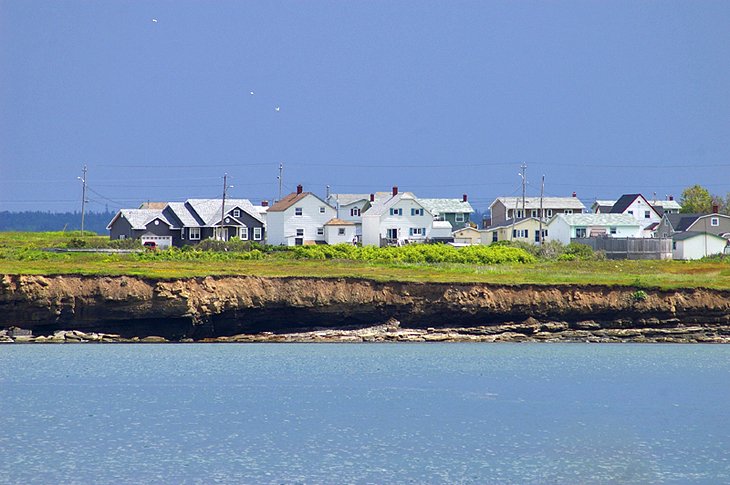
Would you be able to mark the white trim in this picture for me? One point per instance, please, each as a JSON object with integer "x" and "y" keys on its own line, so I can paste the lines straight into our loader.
{"x": 194, "y": 233}
{"x": 257, "y": 234}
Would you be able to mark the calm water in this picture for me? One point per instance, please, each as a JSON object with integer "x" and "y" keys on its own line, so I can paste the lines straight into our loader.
{"x": 434, "y": 413}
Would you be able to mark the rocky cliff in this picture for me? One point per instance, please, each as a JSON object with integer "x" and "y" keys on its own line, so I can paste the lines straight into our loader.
{"x": 211, "y": 307}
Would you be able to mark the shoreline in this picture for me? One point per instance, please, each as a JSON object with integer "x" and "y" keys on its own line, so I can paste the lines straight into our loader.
{"x": 299, "y": 309}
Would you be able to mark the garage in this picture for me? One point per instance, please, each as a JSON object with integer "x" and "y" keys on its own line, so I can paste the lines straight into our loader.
{"x": 161, "y": 242}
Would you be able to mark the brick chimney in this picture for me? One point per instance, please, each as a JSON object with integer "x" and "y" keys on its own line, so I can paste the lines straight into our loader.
{"x": 299, "y": 189}
{"x": 264, "y": 203}
{"x": 372, "y": 197}
{"x": 464, "y": 198}
{"x": 671, "y": 197}
{"x": 715, "y": 208}
{"x": 395, "y": 190}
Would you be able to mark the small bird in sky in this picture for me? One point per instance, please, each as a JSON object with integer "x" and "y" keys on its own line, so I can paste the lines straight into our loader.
{"x": 251, "y": 93}
{"x": 277, "y": 109}
{"x": 154, "y": 20}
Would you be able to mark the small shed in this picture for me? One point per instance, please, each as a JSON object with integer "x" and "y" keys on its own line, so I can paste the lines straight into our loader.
{"x": 696, "y": 245}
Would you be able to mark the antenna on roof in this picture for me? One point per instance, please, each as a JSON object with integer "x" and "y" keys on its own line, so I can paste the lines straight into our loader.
{"x": 281, "y": 171}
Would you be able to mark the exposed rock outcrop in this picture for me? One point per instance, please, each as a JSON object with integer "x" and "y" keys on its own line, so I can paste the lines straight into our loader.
{"x": 213, "y": 307}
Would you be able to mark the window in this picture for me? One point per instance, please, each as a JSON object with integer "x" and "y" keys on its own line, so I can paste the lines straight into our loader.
{"x": 257, "y": 234}
{"x": 298, "y": 211}
{"x": 396, "y": 212}
{"x": 355, "y": 212}
{"x": 714, "y": 221}
{"x": 612, "y": 230}
{"x": 243, "y": 233}
{"x": 568, "y": 211}
{"x": 194, "y": 233}
{"x": 533, "y": 213}
{"x": 416, "y": 212}
{"x": 300, "y": 232}
{"x": 523, "y": 233}
{"x": 417, "y": 231}
{"x": 674, "y": 245}
{"x": 321, "y": 210}
{"x": 580, "y": 232}
{"x": 459, "y": 217}
{"x": 647, "y": 214}
{"x": 630, "y": 212}
{"x": 494, "y": 236}
{"x": 341, "y": 231}
{"x": 124, "y": 236}
{"x": 549, "y": 213}
{"x": 537, "y": 236}
{"x": 520, "y": 214}
{"x": 320, "y": 231}
{"x": 236, "y": 213}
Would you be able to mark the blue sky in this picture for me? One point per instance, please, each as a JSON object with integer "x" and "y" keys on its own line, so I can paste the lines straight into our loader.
{"x": 440, "y": 98}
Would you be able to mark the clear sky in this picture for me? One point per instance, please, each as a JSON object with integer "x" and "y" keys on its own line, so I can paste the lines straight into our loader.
{"x": 439, "y": 98}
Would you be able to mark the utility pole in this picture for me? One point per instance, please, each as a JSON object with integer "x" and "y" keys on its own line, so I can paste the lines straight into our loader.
{"x": 328, "y": 193}
{"x": 223, "y": 205}
{"x": 523, "y": 170}
{"x": 542, "y": 213}
{"x": 281, "y": 171}
{"x": 83, "y": 198}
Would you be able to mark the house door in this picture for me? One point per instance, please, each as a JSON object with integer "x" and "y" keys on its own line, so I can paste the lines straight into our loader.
{"x": 298, "y": 241}
{"x": 391, "y": 233}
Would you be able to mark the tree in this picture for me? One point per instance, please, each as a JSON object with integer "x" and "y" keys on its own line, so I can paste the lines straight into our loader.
{"x": 696, "y": 199}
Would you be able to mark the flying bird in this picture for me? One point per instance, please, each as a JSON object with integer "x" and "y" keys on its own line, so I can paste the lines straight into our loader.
{"x": 251, "y": 93}
{"x": 154, "y": 20}
{"x": 277, "y": 108}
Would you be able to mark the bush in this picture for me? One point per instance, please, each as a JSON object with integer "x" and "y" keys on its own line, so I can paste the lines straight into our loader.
{"x": 576, "y": 252}
{"x": 75, "y": 243}
{"x": 125, "y": 244}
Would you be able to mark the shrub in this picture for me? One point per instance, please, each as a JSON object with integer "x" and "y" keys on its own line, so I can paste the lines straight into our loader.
{"x": 75, "y": 243}
{"x": 576, "y": 251}
{"x": 125, "y": 244}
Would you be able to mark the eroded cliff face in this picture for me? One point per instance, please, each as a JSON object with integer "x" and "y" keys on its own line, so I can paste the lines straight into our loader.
{"x": 220, "y": 306}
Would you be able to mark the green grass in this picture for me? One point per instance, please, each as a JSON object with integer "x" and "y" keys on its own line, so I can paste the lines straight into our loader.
{"x": 18, "y": 256}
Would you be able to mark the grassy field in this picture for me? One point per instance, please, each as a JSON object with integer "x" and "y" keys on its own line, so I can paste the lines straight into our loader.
{"x": 19, "y": 255}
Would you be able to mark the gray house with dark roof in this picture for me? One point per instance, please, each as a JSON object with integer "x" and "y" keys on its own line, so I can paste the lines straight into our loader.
{"x": 671, "y": 224}
{"x": 189, "y": 222}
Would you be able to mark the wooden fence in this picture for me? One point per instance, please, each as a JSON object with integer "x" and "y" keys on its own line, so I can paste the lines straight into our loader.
{"x": 629, "y": 247}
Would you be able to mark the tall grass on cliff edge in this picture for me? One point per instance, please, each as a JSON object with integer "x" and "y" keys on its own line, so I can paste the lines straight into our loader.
{"x": 417, "y": 253}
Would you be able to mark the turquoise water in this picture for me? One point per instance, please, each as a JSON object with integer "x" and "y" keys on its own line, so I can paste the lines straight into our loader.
{"x": 392, "y": 413}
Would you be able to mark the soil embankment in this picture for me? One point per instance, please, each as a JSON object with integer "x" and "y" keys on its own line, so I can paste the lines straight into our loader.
{"x": 248, "y": 308}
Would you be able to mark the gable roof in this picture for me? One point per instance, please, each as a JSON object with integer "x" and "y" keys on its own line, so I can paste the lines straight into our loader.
{"x": 139, "y": 218}
{"x": 209, "y": 210}
{"x": 667, "y": 204}
{"x": 514, "y": 222}
{"x": 379, "y": 207}
{"x": 534, "y": 203}
{"x": 597, "y": 220}
{"x": 690, "y": 234}
{"x": 291, "y": 199}
{"x": 446, "y": 206}
{"x": 625, "y": 201}
{"x": 682, "y": 222}
{"x": 347, "y": 199}
{"x": 338, "y": 222}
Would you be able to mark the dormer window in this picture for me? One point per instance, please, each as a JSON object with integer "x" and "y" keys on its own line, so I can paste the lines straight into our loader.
{"x": 236, "y": 213}
{"x": 355, "y": 212}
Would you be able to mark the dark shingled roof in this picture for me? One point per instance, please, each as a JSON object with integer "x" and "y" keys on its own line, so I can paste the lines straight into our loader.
{"x": 689, "y": 234}
{"x": 623, "y": 203}
{"x": 681, "y": 222}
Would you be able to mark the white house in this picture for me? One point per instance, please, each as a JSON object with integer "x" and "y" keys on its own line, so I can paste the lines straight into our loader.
{"x": 350, "y": 207}
{"x": 564, "y": 227}
{"x": 399, "y": 219}
{"x": 337, "y": 231}
{"x": 636, "y": 206}
{"x": 696, "y": 245}
{"x": 506, "y": 208}
{"x": 298, "y": 219}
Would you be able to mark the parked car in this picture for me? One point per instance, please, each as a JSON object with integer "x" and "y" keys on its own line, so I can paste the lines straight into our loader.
{"x": 151, "y": 245}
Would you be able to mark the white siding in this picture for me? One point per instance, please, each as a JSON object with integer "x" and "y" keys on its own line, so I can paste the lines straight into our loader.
{"x": 332, "y": 235}
{"x": 698, "y": 247}
{"x": 376, "y": 227}
{"x": 282, "y": 226}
